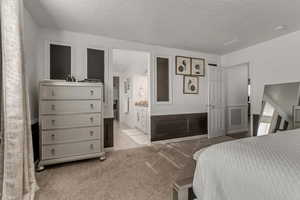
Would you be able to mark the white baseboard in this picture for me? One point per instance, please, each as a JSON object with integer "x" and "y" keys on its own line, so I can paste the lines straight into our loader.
{"x": 180, "y": 139}
{"x": 229, "y": 132}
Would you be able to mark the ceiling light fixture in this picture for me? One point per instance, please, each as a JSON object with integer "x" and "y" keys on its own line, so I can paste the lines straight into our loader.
{"x": 231, "y": 42}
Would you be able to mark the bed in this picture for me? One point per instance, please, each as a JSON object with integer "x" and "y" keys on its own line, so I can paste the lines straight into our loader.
{"x": 258, "y": 168}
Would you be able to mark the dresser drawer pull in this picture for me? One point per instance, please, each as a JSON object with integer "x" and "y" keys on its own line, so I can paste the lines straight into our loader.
{"x": 92, "y": 146}
{"x": 52, "y": 107}
{"x": 53, "y": 137}
{"x": 53, "y": 122}
{"x": 91, "y": 133}
{"x": 53, "y": 151}
{"x": 92, "y": 92}
{"x": 92, "y": 106}
{"x": 92, "y": 119}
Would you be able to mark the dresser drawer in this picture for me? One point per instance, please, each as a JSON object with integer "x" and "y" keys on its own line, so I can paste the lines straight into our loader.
{"x": 70, "y": 92}
{"x": 67, "y": 107}
{"x": 70, "y": 149}
{"x": 70, "y": 135}
{"x": 70, "y": 121}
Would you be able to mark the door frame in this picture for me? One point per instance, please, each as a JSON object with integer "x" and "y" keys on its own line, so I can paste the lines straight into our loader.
{"x": 149, "y": 77}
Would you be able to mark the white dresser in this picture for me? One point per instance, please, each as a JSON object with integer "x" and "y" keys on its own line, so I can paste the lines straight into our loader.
{"x": 71, "y": 122}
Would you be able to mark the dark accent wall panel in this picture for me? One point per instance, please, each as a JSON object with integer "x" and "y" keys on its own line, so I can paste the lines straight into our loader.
{"x": 162, "y": 82}
{"x": 60, "y": 61}
{"x": 95, "y": 64}
{"x": 175, "y": 126}
{"x": 108, "y": 132}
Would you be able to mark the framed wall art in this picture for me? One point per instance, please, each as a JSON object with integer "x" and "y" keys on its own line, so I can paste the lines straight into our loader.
{"x": 190, "y": 85}
{"x": 198, "y": 67}
{"x": 183, "y": 65}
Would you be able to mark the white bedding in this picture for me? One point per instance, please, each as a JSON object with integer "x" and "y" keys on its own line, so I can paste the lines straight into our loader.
{"x": 260, "y": 168}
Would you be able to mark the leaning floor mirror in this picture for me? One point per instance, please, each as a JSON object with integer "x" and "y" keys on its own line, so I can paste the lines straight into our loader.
{"x": 280, "y": 108}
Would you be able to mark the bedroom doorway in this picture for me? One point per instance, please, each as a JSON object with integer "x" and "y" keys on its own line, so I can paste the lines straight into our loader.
{"x": 131, "y": 98}
{"x": 237, "y": 100}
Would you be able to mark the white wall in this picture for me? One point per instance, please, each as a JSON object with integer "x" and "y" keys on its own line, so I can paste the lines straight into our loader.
{"x": 30, "y": 36}
{"x": 181, "y": 103}
{"x": 274, "y": 61}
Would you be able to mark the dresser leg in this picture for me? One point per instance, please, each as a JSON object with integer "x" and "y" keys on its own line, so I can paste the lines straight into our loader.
{"x": 102, "y": 158}
{"x": 40, "y": 168}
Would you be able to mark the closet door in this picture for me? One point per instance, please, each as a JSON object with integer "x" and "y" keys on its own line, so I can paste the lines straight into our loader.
{"x": 236, "y": 81}
{"x": 216, "y": 106}
{"x": 60, "y": 61}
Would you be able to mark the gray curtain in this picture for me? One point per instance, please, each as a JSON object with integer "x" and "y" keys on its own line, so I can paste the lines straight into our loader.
{"x": 18, "y": 167}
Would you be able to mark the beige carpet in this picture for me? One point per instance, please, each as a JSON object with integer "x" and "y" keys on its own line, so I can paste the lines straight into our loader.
{"x": 145, "y": 173}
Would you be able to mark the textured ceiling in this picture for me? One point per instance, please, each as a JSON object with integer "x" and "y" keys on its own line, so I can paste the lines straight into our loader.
{"x": 201, "y": 25}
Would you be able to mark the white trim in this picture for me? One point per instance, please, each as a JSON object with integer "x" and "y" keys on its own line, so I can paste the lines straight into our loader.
{"x": 238, "y": 65}
{"x": 46, "y": 68}
{"x": 180, "y": 139}
{"x": 171, "y": 61}
{"x": 230, "y": 132}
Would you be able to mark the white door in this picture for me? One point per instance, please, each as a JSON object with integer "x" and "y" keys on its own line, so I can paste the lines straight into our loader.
{"x": 236, "y": 98}
{"x": 216, "y": 107}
